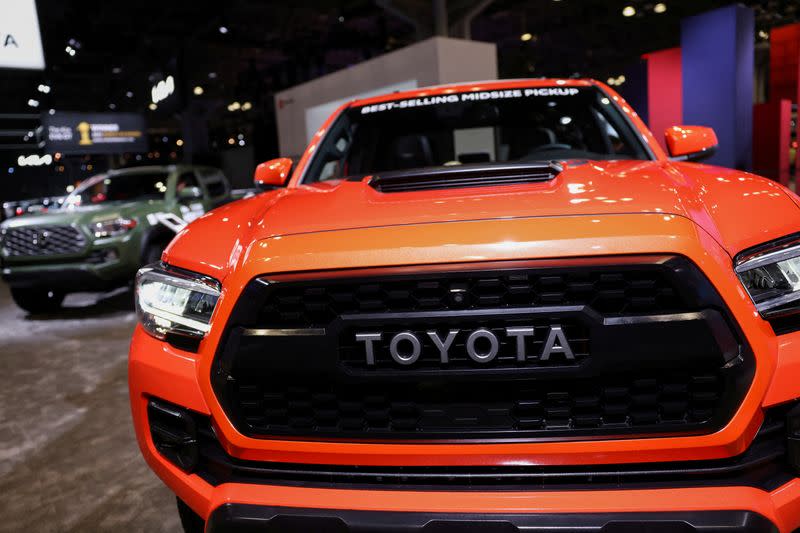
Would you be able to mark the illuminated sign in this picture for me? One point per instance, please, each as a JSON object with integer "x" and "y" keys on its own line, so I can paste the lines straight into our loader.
{"x": 94, "y": 133}
{"x": 34, "y": 160}
{"x": 20, "y": 40}
{"x": 162, "y": 89}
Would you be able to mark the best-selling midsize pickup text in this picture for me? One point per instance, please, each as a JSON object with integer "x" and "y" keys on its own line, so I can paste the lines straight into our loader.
{"x": 493, "y": 306}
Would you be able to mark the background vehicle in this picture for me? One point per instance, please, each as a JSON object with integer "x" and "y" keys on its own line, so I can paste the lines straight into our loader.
{"x": 105, "y": 230}
{"x": 492, "y": 305}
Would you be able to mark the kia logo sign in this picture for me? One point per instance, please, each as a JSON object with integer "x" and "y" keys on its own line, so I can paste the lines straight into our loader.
{"x": 162, "y": 89}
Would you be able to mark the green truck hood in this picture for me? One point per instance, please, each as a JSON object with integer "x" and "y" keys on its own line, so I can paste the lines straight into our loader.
{"x": 87, "y": 215}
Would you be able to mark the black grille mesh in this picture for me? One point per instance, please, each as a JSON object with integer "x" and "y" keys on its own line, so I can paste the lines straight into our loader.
{"x": 43, "y": 240}
{"x": 324, "y": 386}
{"x": 433, "y": 410}
{"x": 607, "y": 292}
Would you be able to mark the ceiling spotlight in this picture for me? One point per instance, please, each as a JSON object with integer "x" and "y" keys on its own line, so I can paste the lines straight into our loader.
{"x": 43, "y": 88}
{"x": 247, "y": 106}
{"x": 129, "y": 94}
{"x": 526, "y": 37}
{"x": 52, "y": 112}
{"x": 112, "y": 107}
{"x": 231, "y": 140}
{"x": 212, "y": 75}
{"x": 152, "y": 107}
{"x": 223, "y": 30}
{"x": 629, "y": 11}
{"x": 762, "y": 34}
{"x": 69, "y": 50}
{"x": 660, "y": 7}
{"x": 341, "y": 18}
{"x": 116, "y": 70}
{"x": 234, "y": 106}
{"x": 179, "y": 142}
{"x": 33, "y": 103}
{"x": 611, "y": 81}
{"x": 198, "y": 90}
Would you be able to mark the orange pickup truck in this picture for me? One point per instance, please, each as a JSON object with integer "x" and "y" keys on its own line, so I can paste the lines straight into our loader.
{"x": 492, "y": 306}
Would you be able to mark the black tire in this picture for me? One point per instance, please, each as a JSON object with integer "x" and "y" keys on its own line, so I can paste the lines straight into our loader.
{"x": 37, "y": 300}
{"x": 191, "y": 521}
{"x": 152, "y": 254}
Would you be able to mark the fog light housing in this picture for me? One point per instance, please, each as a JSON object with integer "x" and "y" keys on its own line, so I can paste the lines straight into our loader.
{"x": 174, "y": 433}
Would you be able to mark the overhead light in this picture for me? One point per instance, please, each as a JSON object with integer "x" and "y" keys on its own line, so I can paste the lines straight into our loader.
{"x": 112, "y": 107}
{"x": 231, "y": 140}
{"x": 43, "y": 88}
{"x": 234, "y": 106}
{"x": 526, "y": 37}
{"x": 565, "y": 120}
{"x": 33, "y": 103}
{"x": 212, "y": 75}
{"x": 198, "y": 90}
{"x": 52, "y": 112}
{"x": 660, "y": 7}
{"x": 611, "y": 81}
{"x": 129, "y": 94}
{"x": 116, "y": 70}
{"x": 179, "y": 142}
{"x": 341, "y": 18}
{"x": 69, "y": 50}
{"x": 34, "y": 160}
{"x": 152, "y": 106}
{"x": 223, "y": 30}
{"x": 70, "y": 188}
{"x": 247, "y": 106}
{"x": 764, "y": 35}
{"x": 621, "y": 79}
{"x": 629, "y": 11}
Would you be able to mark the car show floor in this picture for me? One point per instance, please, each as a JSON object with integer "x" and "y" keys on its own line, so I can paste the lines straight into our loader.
{"x": 68, "y": 456}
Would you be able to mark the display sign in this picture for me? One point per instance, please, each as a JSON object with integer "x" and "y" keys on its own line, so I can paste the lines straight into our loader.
{"x": 20, "y": 40}
{"x": 94, "y": 133}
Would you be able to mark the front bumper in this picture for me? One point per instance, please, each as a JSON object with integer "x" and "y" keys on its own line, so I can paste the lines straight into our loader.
{"x": 236, "y": 502}
{"x": 238, "y": 517}
{"x": 106, "y": 264}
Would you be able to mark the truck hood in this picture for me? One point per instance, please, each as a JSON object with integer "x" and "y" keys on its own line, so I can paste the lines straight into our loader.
{"x": 725, "y": 203}
{"x": 84, "y": 215}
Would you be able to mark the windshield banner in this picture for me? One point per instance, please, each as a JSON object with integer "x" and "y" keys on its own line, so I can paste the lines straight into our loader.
{"x": 474, "y": 96}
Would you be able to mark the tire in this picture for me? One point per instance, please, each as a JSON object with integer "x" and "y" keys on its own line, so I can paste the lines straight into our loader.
{"x": 152, "y": 254}
{"x": 37, "y": 300}
{"x": 191, "y": 521}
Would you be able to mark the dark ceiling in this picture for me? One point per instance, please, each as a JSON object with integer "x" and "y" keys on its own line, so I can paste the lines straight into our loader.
{"x": 269, "y": 46}
{"x": 246, "y": 50}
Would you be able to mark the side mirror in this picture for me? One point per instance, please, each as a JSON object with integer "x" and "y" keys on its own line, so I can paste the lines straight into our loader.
{"x": 691, "y": 143}
{"x": 190, "y": 193}
{"x": 272, "y": 174}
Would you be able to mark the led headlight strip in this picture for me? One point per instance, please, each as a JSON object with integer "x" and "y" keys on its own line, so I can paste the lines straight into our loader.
{"x": 173, "y": 301}
{"x": 771, "y": 275}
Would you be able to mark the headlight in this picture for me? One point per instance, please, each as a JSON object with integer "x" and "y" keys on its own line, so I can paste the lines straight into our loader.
{"x": 172, "y": 301}
{"x": 771, "y": 275}
{"x": 112, "y": 227}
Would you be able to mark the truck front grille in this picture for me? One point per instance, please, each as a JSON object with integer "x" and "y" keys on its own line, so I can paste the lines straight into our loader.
{"x": 653, "y": 352}
{"x": 32, "y": 241}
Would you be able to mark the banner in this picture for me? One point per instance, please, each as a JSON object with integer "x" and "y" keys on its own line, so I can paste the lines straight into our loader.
{"x": 94, "y": 133}
{"x": 20, "y": 39}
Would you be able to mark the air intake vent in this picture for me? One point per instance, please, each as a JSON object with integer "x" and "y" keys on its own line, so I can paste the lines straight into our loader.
{"x": 460, "y": 176}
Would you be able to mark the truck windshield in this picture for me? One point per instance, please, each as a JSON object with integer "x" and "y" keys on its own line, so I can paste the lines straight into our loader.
{"x": 123, "y": 187}
{"x": 481, "y": 127}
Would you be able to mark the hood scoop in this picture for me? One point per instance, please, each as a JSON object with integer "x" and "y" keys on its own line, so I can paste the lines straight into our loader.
{"x": 460, "y": 176}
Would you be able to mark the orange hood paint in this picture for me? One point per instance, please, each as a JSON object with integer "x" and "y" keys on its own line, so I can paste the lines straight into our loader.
{"x": 726, "y": 203}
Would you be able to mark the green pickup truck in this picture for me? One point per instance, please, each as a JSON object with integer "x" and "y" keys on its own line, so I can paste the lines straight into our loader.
{"x": 106, "y": 229}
